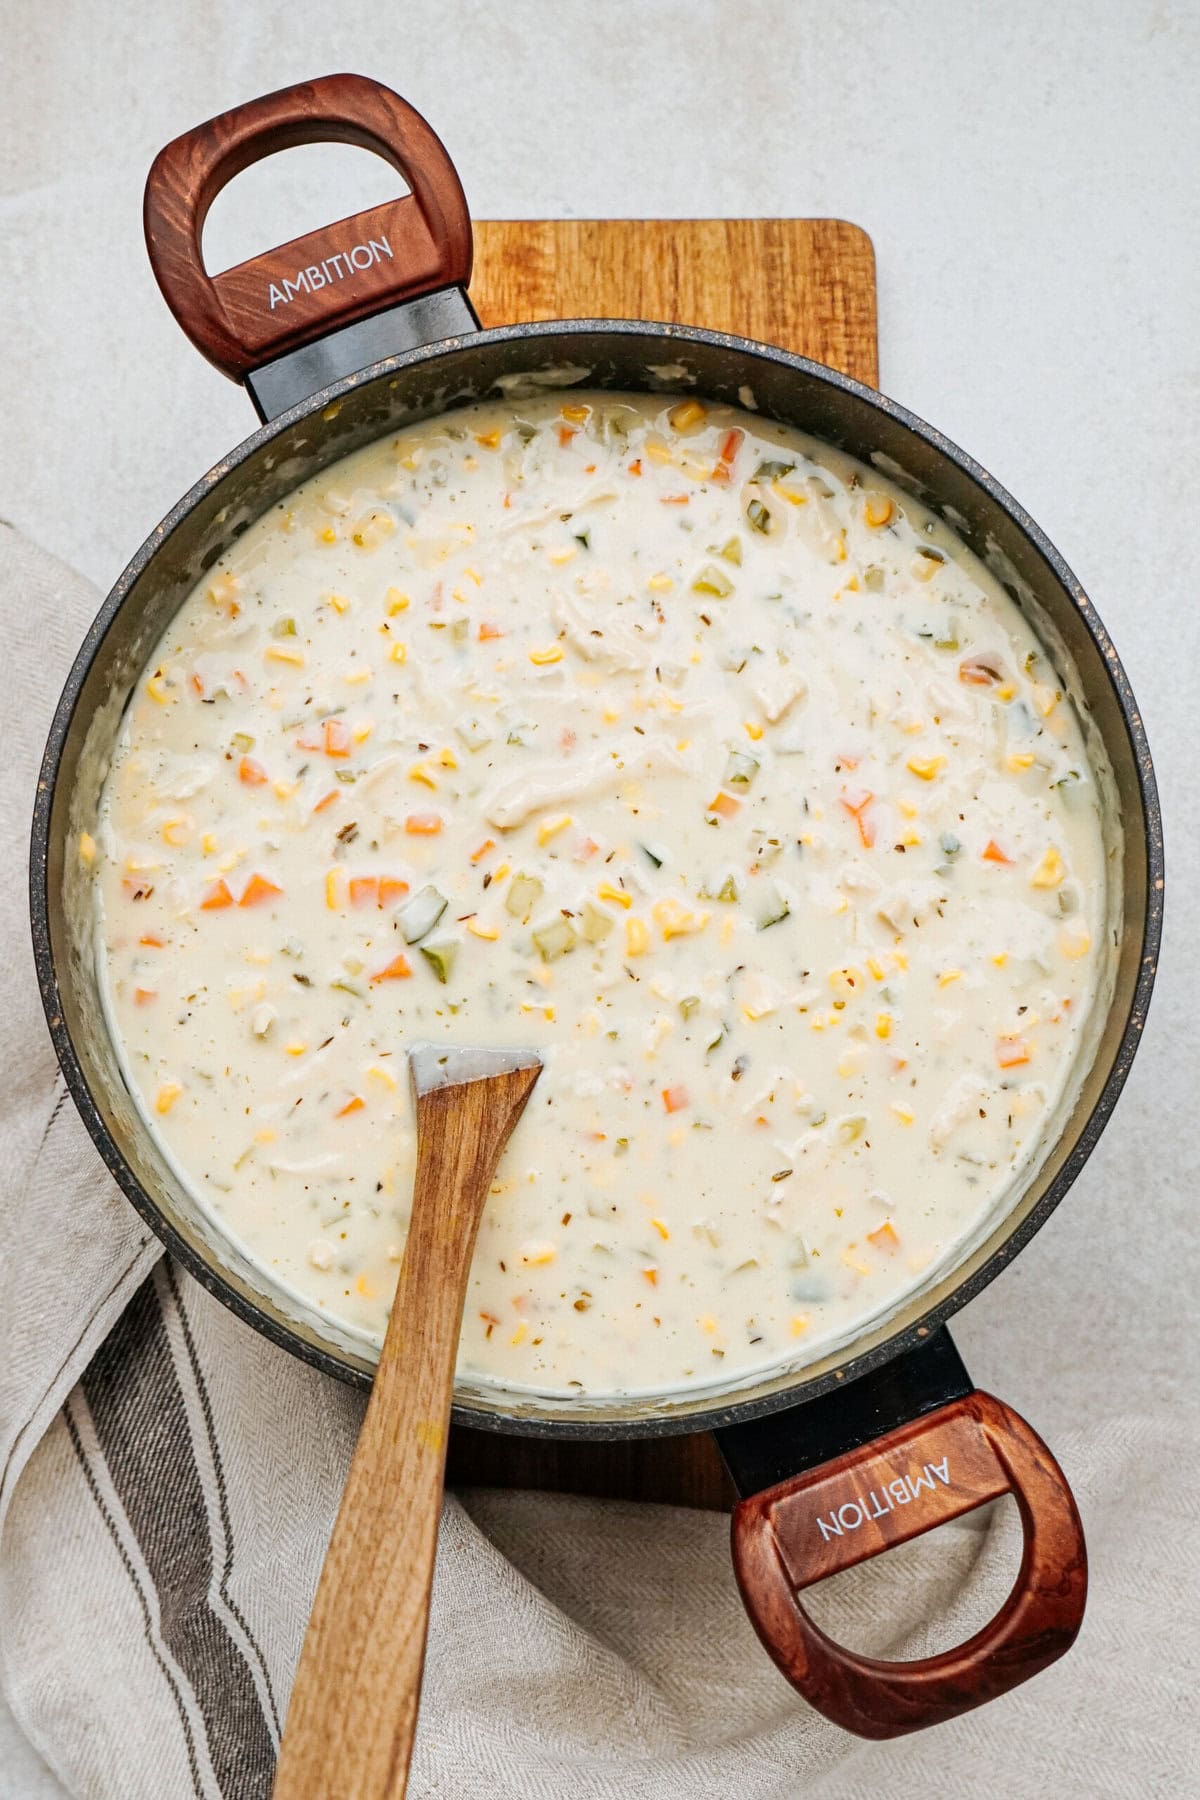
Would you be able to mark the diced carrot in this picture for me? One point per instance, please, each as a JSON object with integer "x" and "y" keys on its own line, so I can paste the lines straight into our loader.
{"x": 635, "y": 467}
{"x": 396, "y": 970}
{"x": 487, "y": 844}
{"x": 857, "y": 808}
{"x": 993, "y": 853}
{"x": 423, "y": 824}
{"x": 257, "y": 890}
{"x": 488, "y": 631}
{"x": 337, "y": 738}
{"x": 144, "y": 996}
{"x": 311, "y": 742}
{"x": 729, "y": 449}
{"x": 725, "y": 805}
{"x": 885, "y": 1237}
{"x": 217, "y": 895}
{"x": 586, "y": 849}
{"x": 353, "y": 1105}
{"x": 364, "y": 890}
{"x": 565, "y": 434}
{"x": 1011, "y": 1053}
{"x": 329, "y": 799}
{"x": 847, "y": 762}
{"x": 153, "y": 940}
{"x": 675, "y": 1098}
{"x": 198, "y": 685}
{"x": 675, "y": 499}
{"x": 977, "y": 673}
{"x": 651, "y": 1276}
{"x": 251, "y": 772}
{"x": 390, "y": 890}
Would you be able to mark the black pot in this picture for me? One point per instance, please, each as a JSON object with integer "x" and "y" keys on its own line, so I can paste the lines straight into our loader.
{"x": 821, "y": 1454}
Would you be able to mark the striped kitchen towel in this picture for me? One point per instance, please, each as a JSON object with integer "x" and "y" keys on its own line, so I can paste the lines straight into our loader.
{"x": 168, "y": 1481}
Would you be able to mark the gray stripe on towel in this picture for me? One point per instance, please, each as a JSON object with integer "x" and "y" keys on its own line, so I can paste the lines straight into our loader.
{"x": 138, "y": 1409}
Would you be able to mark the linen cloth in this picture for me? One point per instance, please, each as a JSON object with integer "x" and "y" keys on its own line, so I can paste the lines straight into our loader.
{"x": 168, "y": 1481}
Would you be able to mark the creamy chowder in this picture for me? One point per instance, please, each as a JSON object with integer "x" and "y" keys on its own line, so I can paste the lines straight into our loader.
{"x": 666, "y": 741}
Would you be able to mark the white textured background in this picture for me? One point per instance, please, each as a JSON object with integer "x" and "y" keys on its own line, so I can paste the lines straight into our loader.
{"x": 1030, "y": 175}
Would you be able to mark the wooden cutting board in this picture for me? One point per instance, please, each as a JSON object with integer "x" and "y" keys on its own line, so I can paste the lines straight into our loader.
{"x": 808, "y": 284}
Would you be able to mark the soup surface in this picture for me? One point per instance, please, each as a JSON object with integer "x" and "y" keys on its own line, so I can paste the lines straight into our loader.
{"x": 664, "y": 740}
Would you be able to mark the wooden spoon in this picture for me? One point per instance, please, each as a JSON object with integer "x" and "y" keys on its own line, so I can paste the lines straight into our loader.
{"x": 353, "y": 1710}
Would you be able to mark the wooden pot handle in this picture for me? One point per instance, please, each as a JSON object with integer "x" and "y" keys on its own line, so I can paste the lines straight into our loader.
{"x": 892, "y": 1489}
{"x": 251, "y": 314}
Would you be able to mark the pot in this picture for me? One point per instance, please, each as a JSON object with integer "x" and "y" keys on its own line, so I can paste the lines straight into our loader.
{"x": 341, "y": 337}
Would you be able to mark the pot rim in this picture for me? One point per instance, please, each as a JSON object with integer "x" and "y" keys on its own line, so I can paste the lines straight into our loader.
{"x": 699, "y": 1417}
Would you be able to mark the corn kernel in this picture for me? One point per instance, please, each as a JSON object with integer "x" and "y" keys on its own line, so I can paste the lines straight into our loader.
{"x": 398, "y": 652}
{"x": 396, "y": 602}
{"x": 687, "y": 416}
{"x": 421, "y": 774}
{"x": 87, "y": 849}
{"x": 902, "y": 1113}
{"x": 753, "y": 729}
{"x": 1075, "y": 943}
{"x": 883, "y": 1025}
{"x": 488, "y": 933}
{"x": 551, "y": 654}
{"x": 925, "y": 768}
{"x": 284, "y": 653}
{"x": 637, "y": 937}
{"x": 377, "y": 1072}
{"x": 331, "y": 890}
{"x": 607, "y": 891}
{"x": 1050, "y": 871}
{"x": 878, "y": 510}
{"x": 339, "y": 602}
{"x": 156, "y": 690}
{"x": 167, "y": 1095}
{"x": 447, "y": 759}
{"x": 550, "y": 828}
{"x": 948, "y": 976}
{"x": 1019, "y": 760}
{"x": 660, "y": 584}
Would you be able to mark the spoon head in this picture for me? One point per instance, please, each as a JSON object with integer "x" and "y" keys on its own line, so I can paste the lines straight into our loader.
{"x": 433, "y": 1066}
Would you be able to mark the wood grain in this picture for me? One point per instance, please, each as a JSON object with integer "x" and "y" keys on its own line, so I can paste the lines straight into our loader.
{"x": 854, "y": 1508}
{"x": 353, "y": 1708}
{"x": 809, "y": 285}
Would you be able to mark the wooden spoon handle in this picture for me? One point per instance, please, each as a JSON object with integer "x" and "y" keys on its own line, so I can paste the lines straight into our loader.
{"x": 353, "y": 1709}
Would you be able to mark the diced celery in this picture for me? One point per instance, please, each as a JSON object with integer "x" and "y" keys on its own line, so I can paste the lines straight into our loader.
{"x": 441, "y": 957}
{"x": 712, "y": 580}
{"x": 524, "y": 892}
{"x": 595, "y": 925}
{"x": 555, "y": 939}
{"x": 421, "y": 914}
{"x": 740, "y": 770}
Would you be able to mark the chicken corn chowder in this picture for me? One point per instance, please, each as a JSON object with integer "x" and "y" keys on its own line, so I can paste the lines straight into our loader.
{"x": 664, "y": 740}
